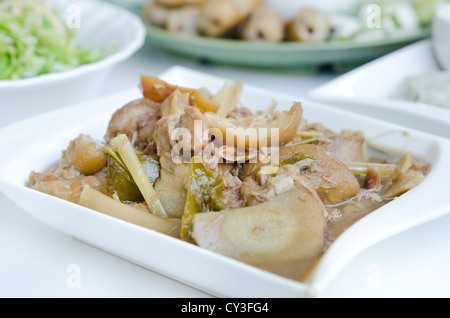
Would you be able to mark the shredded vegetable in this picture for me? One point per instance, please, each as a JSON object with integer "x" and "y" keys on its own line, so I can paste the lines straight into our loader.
{"x": 35, "y": 40}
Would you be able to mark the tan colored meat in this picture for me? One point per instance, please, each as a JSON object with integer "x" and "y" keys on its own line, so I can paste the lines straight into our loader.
{"x": 346, "y": 148}
{"x": 403, "y": 184}
{"x": 136, "y": 119}
{"x": 231, "y": 192}
{"x": 333, "y": 181}
{"x": 178, "y": 134}
{"x": 85, "y": 154}
{"x": 70, "y": 189}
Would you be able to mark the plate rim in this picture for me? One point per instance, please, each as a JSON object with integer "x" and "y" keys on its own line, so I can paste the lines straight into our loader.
{"x": 157, "y": 32}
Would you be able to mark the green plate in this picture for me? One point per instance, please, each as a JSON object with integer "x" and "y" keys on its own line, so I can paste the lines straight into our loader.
{"x": 286, "y": 55}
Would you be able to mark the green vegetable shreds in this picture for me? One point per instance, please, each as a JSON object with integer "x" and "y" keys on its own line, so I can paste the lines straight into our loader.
{"x": 204, "y": 194}
{"x": 35, "y": 40}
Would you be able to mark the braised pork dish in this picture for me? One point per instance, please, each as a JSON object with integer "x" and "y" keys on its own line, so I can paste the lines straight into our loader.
{"x": 267, "y": 188}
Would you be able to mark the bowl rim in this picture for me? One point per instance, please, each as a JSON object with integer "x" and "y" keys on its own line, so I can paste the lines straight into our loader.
{"x": 136, "y": 41}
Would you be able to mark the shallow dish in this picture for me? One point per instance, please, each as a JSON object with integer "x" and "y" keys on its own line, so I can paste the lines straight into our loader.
{"x": 110, "y": 28}
{"x": 373, "y": 89}
{"x": 441, "y": 35}
{"x": 303, "y": 56}
{"x": 210, "y": 272}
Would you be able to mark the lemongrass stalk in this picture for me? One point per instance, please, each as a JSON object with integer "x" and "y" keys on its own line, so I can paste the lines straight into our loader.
{"x": 95, "y": 200}
{"x": 134, "y": 166}
{"x": 384, "y": 169}
{"x": 271, "y": 108}
{"x": 302, "y": 142}
{"x": 308, "y": 134}
{"x": 228, "y": 97}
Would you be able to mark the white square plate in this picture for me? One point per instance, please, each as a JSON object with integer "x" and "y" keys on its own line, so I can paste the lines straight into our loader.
{"x": 373, "y": 89}
{"x": 36, "y": 143}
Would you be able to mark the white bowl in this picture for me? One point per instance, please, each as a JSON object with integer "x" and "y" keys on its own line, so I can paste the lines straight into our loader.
{"x": 203, "y": 269}
{"x": 110, "y": 28}
{"x": 441, "y": 35}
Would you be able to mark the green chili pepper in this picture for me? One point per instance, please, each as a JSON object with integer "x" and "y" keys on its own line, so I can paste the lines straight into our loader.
{"x": 296, "y": 158}
{"x": 120, "y": 180}
{"x": 204, "y": 194}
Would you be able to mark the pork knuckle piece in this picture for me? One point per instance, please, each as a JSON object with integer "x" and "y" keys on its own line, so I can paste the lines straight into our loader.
{"x": 138, "y": 116}
{"x": 85, "y": 154}
{"x": 332, "y": 179}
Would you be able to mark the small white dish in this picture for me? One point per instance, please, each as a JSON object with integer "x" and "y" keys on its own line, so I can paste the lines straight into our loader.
{"x": 374, "y": 90}
{"x": 110, "y": 28}
{"x": 441, "y": 35}
{"x": 203, "y": 269}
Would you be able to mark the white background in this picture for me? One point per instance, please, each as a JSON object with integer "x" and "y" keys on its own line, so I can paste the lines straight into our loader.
{"x": 35, "y": 260}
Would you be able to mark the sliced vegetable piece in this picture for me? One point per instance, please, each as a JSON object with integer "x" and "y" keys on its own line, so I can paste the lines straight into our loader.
{"x": 171, "y": 186}
{"x": 384, "y": 169}
{"x": 204, "y": 194}
{"x": 134, "y": 166}
{"x": 121, "y": 182}
{"x": 97, "y": 201}
{"x": 289, "y": 227}
{"x": 309, "y": 134}
{"x": 228, "y": 97}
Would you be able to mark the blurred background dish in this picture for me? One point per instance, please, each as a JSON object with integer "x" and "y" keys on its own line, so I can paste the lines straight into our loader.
{"x": 340, "y": 56}
{"x": 441, "y": 36}
{"x": 410, "y": 95}
{"x": 110, "y": 33}
{"x": 314, "y": 34}
{"x": 417, "y": 91}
